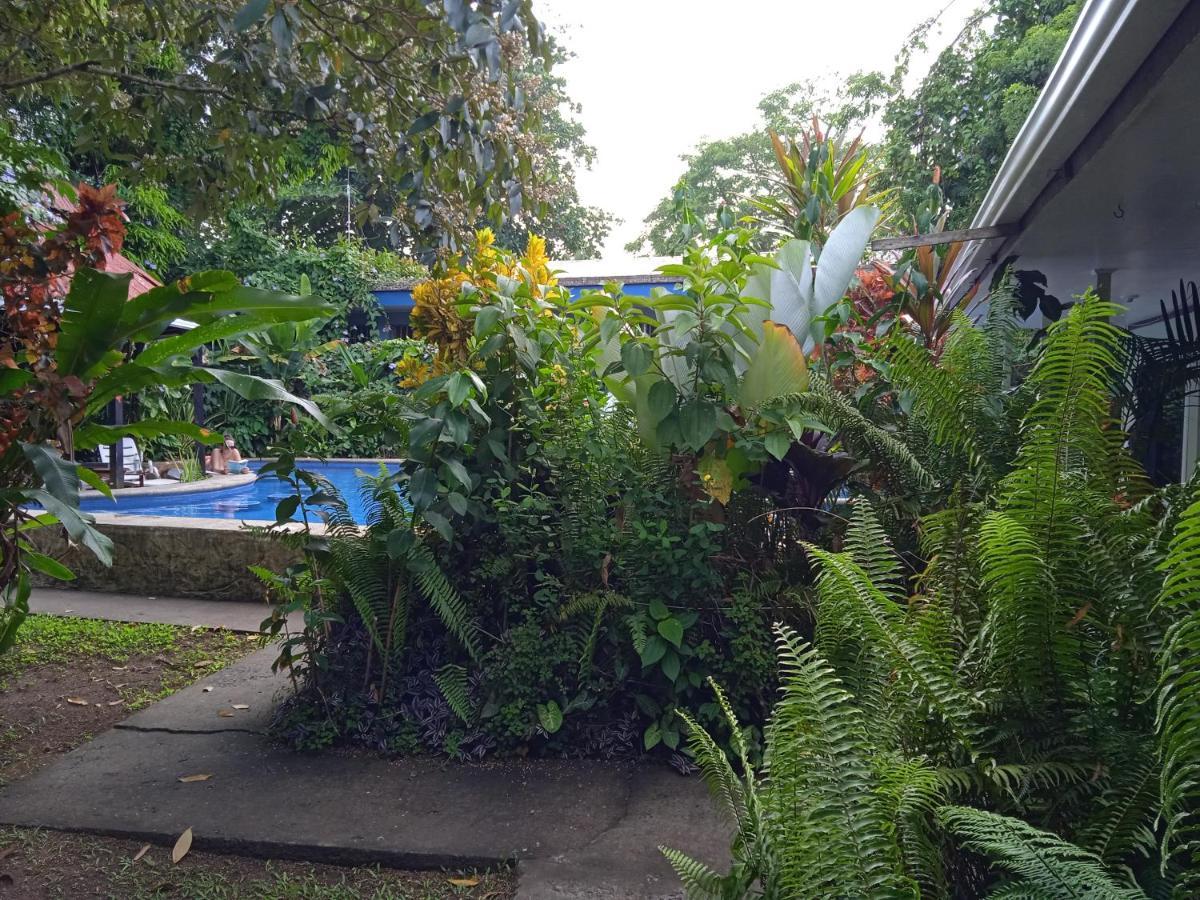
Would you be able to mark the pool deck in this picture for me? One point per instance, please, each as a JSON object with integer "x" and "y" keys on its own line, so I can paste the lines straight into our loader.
{"x": 161, "y": 487}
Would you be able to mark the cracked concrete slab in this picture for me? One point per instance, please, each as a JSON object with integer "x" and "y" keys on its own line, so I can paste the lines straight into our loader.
{"x": 211, "y": 703}
{"x": 576, "y": 828}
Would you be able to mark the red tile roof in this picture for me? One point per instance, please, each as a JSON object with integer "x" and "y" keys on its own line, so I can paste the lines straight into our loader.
{"x": 141, "y": 281}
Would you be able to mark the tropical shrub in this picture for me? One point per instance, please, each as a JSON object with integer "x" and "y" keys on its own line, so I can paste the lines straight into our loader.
{"x": 561, "y": 583}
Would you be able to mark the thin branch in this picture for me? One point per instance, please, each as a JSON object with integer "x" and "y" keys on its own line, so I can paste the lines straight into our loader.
{"x": 48, "y": 75}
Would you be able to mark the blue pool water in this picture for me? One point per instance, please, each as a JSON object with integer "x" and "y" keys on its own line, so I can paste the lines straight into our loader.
{"x": 250, "y": 501}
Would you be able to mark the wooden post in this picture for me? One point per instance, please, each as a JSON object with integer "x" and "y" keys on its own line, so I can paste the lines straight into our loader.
{"x": 198, "y": 407}
{"x": 116, "y": 453}
{"x": 984, "y": 233}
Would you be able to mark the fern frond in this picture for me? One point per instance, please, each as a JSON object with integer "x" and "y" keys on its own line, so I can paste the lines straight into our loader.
{"x": 950, "y": 410}
{"x": 443, "y": 598}
{"x": 881, "y": 621}
{"x": 699, "y": 881}
{"x": 1028, "y": 647}
{"x": 1124, "y": 825}
{"x": 1178, "y": 718}
{"x": 915, "y": 791}
{"x": 452, "y": 682}
{"x": 860, "y": 436}
{"x": 870, "y": 547}
{"x": 829, "y": 828}
{"x": 738, "y": 799}
{"x": 1044, "y": 863}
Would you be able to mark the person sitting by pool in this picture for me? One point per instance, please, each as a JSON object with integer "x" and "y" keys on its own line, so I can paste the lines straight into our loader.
{"x": 222, "y": 455}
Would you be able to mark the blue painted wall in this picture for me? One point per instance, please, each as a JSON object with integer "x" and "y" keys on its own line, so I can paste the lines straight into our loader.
{"x": 397, "y": 304}
{"x": 402, "y": 300}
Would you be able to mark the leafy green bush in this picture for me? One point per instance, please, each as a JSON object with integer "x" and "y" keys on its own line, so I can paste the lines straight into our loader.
{"x": 552, "y": 583}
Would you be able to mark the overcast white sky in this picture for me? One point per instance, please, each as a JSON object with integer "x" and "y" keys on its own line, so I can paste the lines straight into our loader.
{"x": 657, "y": 76}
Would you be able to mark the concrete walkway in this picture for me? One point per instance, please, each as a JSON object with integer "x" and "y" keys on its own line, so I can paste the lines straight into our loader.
{"x": 577, "y": 829}
{"x": 236, "y": 616}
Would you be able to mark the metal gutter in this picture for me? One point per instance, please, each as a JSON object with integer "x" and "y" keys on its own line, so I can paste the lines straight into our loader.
{"x": 1111, "y": 41}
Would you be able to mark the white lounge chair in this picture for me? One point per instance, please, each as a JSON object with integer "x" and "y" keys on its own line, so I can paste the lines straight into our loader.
{"x": 131, "y": 457}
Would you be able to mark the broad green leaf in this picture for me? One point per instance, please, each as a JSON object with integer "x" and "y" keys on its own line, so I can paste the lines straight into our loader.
{"x": 652, "y": 737}
{"x": 654, "y": 650}
{"x": 776, "y": 369}
{"x": 47, "y": 566}
{"x": 440, "y": 523}
{"x": 635, "y": 357}
{"x": 486, "y": 320}
{"x": 778, "y": 443}
{"x": 672, "y": 630}
{"x": 457, "y": 388}
{"x": 92, "y": 435}
{"x": 648, "y": 419}
{"x": 660, "y": 400}
{"x": 57, "y": 474}
{"x": 186, "y": 343}
{"x": 87, "y": 476}
{"x": 79, "y": 525}
{"x": 90, "y": 322}
{"x": 459, "y": 471}
{"x": 550, "y": 717}
{"x": 422, "y": 488}
{"x": 840, "y": 257}
{"x": 11, "y": 379}
{"x": 610, "y": 325}
{"x": 670, "y": 665}
{"x": 251, "y": 387}
{"x": 697, "y": 422}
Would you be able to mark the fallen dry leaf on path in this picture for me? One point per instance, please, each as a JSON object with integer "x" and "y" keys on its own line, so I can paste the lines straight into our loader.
{"x": 241, "y": 705}
{"x": 464, "y": 882}
{"x": 225, "y": 713}
{"x": 77, "y": 701}
{"x": 188, "y": 779}
{"x": 115, "y": 702}
{"x": 145, "y": 849}
{"x": 182, "y": 846}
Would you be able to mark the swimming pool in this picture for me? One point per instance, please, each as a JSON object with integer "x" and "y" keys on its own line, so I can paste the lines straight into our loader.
{"x": 254, "y": 501}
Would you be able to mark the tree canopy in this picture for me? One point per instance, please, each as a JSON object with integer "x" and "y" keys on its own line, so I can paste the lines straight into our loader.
{"x": 965, "y": 113}
{"x": 960, "y": 118}
{"x": 210, "y": 97}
